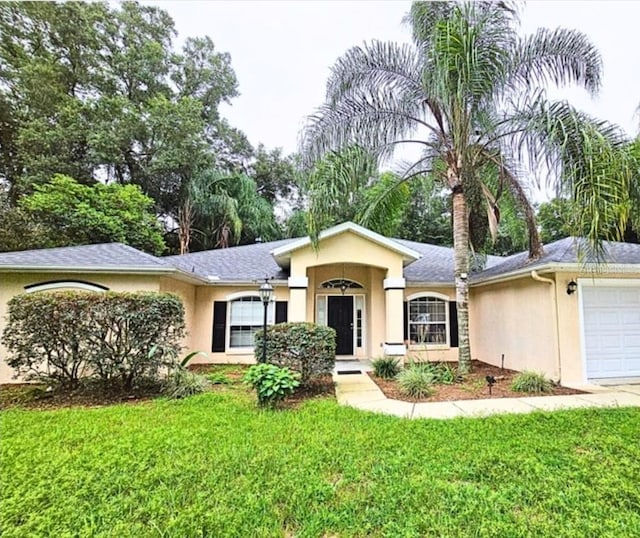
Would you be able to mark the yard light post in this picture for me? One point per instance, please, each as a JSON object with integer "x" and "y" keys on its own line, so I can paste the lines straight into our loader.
{"x": 266, "y": 293}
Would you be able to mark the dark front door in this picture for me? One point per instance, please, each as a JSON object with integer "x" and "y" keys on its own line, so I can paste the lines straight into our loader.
{"x": 340, "y": 317}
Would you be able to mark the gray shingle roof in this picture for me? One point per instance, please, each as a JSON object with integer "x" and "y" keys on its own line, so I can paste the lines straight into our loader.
{"x": 104, "y": 255}
{"x": 254, "y": 262}
{"x": 244, "y": 263}
{"x": 568, "y": 250}
{"x": 436, "y": 264}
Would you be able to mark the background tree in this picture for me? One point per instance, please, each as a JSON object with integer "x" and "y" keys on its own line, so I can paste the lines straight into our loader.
{"x": 98, "y": 92}
{"x": 468, "y": 92}
{"x": 346, "y": 186}
{"x": 64, "y": 212}
{"x": 224, "y": 209}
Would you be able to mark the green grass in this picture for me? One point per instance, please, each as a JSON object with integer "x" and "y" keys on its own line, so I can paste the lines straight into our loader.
{"x": 214, "y": 465}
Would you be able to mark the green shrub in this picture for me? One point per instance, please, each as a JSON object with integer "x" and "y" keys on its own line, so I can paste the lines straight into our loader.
{"x": 528, "y": 381}
{"x": 182, "y": 383}
{"x": 272, "y": 384}
{"x": 442, "y": 373}
{"x": 306, "y": 348}
{"x": 415, "y": 381}
{"x": 120, "y": 338}
{"x": 386, "y": 367}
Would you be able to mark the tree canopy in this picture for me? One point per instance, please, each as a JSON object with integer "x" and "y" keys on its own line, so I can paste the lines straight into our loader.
{"x": 99, "y": 92}
{"x": 64, "y": 212}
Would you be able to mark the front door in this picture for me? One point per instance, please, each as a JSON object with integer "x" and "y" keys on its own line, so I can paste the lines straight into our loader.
{"x": 340, "y": 318}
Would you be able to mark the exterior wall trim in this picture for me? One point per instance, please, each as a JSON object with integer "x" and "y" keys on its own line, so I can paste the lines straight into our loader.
{"x": 298, "y": 282}
{"x": 394, "y": 283}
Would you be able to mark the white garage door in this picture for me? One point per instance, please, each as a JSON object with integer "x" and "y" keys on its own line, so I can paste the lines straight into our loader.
{"x": 611, "y": 329}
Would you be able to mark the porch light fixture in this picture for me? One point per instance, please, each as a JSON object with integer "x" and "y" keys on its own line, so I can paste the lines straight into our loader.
{"x": 571, "y": 287}
{"x": 343, "y": 283}
{"x": 266, "y": 293}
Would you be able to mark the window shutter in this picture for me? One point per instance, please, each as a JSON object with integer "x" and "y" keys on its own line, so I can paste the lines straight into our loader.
{"x": 281, "y": 311}
{"x": 453, "y": 323}
{"x": 405, "y": 317}
{"x": 219, "y": 326}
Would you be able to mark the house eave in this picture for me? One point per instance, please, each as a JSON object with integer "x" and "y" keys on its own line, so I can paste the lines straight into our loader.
{"x": 120, "y": 270}
{"x": 559, "y": 267}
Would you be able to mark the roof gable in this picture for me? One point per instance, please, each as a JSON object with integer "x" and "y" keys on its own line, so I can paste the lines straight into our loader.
{"x": 282, "y": 254}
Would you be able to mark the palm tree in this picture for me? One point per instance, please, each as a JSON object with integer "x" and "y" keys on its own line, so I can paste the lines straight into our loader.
{"x": 468, "y": 92}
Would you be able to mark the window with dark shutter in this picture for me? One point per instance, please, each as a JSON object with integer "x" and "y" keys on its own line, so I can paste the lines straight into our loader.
{"x": 453, "y": 323}
{"x": 219, "y": 326}
{"x": 282, "y": 311}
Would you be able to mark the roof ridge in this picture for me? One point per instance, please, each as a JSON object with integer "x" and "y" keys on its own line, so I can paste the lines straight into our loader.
{"x": 156, "y": 259}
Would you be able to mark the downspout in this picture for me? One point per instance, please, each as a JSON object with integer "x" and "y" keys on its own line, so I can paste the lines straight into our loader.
{"x": 554, "y": 315}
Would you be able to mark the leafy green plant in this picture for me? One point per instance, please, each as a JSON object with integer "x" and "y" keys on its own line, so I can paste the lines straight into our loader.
{"x": 187, "y": 359}
{"x": 386, "y": 367}
{"x": 182, "y": 383}
{"x": 415, "y": 381}
{"x": 529, "y": 381}
{"x": 120, "y": 338}
{"x": 307, "y": 348}
{"x": 272, "y": 383}
{"x": 443, "y": 373}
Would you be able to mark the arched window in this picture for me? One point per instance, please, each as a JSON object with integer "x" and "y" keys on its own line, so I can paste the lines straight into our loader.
{"x": 51, "y": 285}
{"x": 341, "y": 284}
{"x": 246, "y": 316}
{"x": 428, "y": 319}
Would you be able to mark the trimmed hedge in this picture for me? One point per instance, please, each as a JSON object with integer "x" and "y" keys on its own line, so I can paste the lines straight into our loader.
{"x": 306, "y": 348}
{"x": 117, "y": 337}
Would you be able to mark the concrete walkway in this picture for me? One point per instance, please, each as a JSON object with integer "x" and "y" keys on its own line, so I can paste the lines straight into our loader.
{"x": 358, "y": 390}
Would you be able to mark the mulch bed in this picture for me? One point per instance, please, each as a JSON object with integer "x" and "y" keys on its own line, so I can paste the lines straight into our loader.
{"x": 474, "y": 386}
{"x": 35, "y": 396}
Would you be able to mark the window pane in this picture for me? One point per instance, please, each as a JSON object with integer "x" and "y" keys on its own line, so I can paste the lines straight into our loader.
{"x": 427, "y": 321}
{"x": 246, "y": 316}
{"x": 242, "y": 336}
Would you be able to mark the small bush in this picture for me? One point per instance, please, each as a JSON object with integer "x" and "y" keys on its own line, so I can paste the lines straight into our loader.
{"x": 182, "y": 383}
{"x": 272, "y": 384}
{"x": 386, "y": 367}
{"x": 120, "y": 338}
{"x": 528, "y": 381}
{"x": 306, "y": 348}
{"x": 415, "y": 381}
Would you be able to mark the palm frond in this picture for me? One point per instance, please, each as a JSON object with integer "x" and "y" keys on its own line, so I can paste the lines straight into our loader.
{"x": 560, "y": 57}
{"x": 388, "y": 67}
{"x": 588, "y": 160}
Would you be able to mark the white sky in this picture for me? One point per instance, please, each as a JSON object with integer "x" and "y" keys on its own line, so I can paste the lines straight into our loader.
{"x": 282, "y": 50}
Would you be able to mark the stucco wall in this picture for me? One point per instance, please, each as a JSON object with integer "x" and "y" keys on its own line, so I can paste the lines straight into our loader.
{"x": 186, "y": 292}
{"x": 13, "y": 284}
{"x": 346, "y": 248}
{"x": 202, "y": 329}
{"x": 517, "y": 319}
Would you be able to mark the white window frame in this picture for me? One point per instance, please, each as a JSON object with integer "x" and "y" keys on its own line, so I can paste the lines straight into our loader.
{"x": 271, "y": 314}
{"x": 447, "y": 322}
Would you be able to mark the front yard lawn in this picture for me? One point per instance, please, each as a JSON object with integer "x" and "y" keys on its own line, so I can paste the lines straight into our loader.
{"x": 214, "y": 465}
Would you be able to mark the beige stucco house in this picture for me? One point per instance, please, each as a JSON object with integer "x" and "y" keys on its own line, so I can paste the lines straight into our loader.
{"x": 381, "y": 295}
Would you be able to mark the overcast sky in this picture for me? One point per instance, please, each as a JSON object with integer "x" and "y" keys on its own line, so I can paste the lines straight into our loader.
{"x": 281, "y": 52}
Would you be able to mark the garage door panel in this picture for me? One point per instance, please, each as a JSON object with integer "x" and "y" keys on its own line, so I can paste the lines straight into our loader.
{"x": 611, "y": 320}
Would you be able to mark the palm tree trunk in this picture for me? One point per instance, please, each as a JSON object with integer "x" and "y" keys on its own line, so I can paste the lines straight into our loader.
{"x": 461, "y": 272}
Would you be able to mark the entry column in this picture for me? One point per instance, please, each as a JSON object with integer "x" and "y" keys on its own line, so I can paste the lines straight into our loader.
{"x": 394, "y": 322}
{"x": 297, "y": 310}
